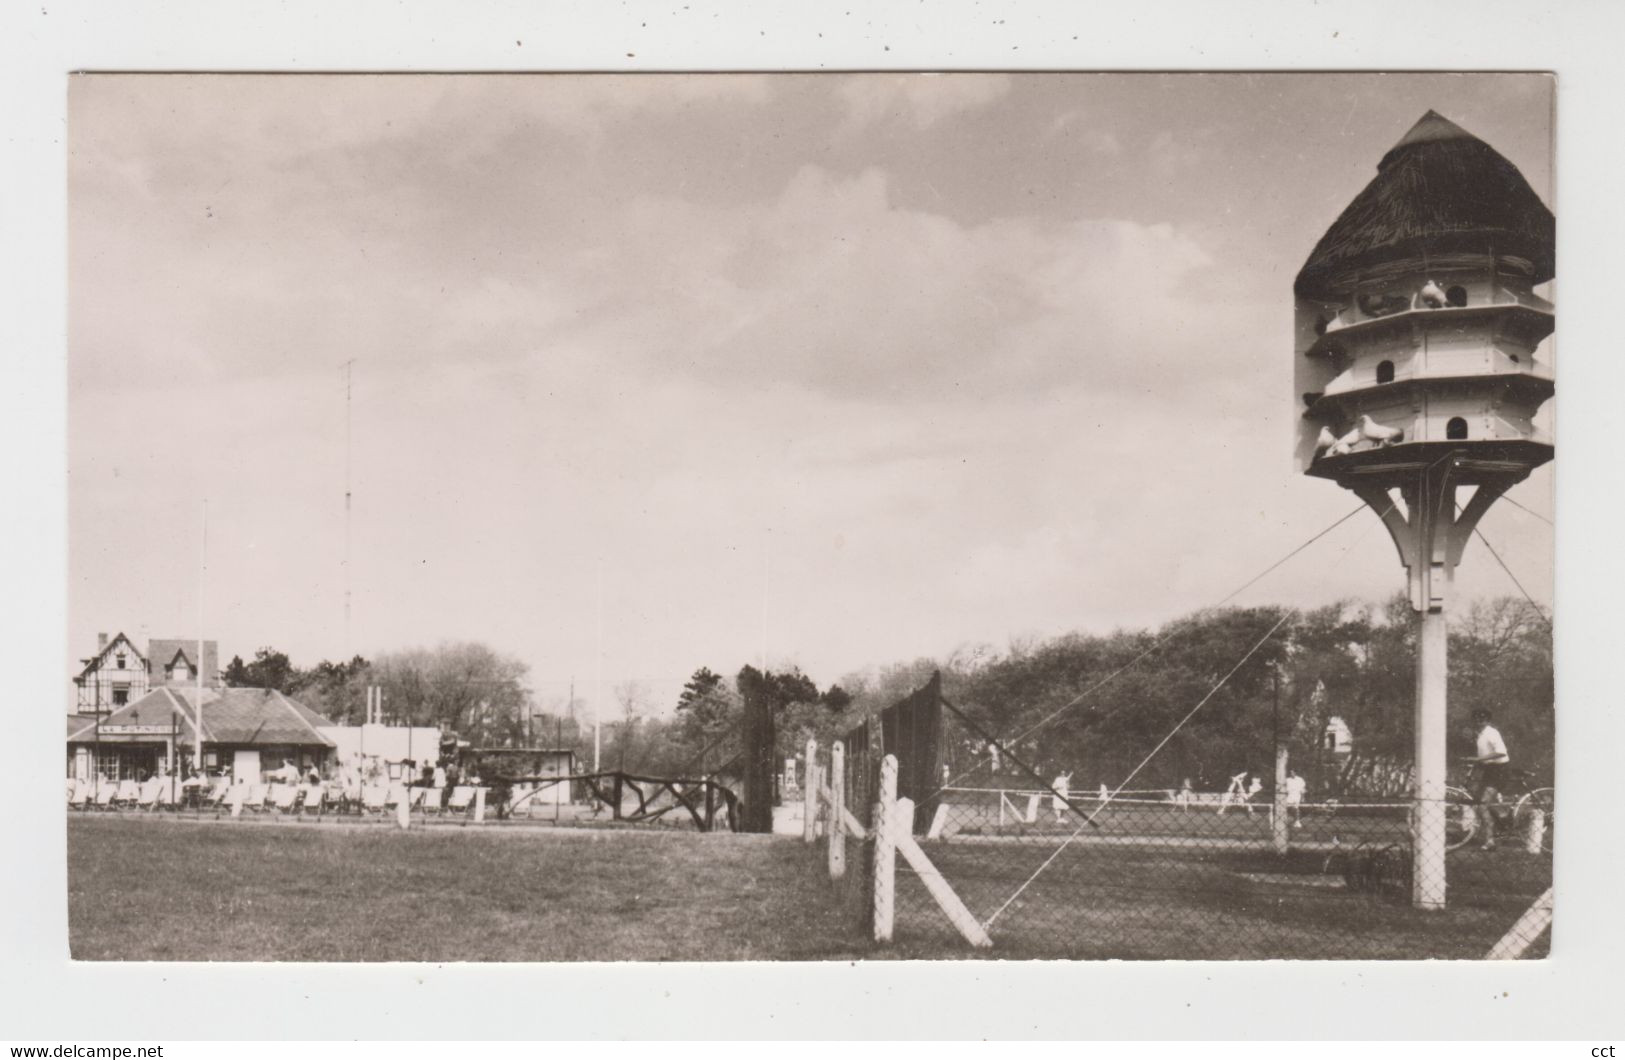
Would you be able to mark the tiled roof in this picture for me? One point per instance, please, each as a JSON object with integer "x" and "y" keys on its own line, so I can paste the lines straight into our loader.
{"x": 230, "y": 716}
{"x": 257, "y": 716}
{"x": 161, "y": 652}
{"x": 78, "y": 722}
{"x": 155, "y": 708}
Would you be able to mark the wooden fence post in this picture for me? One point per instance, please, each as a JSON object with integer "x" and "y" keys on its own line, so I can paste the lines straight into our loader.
{"x": 949, "y": 902}
{"x": 837, "y": 805}
{"x": 809, "y": 792}
{"x": 886, "y": 850}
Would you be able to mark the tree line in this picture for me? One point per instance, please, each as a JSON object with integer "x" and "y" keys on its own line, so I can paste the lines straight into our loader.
{"x": 465, "y": 687}
{"x": 1091, "y": 704}
{"x": 1098, "y": 704}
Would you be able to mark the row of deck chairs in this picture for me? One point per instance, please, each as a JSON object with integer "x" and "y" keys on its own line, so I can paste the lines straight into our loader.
{"x": 387, "y": 798}
{"x": 164, "y": 793}
{"x": 364, "y": 799}
{"x": 262, "y": 798}
{"x": 157, "y": 793}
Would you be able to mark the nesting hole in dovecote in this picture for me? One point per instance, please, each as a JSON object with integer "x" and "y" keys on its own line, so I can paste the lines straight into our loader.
{"x": 1455, "y": 295}
{"x": 1456, "y": 429}
{"x": 1385, "y": 371}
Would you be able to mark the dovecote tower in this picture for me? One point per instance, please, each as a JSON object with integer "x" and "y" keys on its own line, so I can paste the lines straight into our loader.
{"x": 1417, "y": 385}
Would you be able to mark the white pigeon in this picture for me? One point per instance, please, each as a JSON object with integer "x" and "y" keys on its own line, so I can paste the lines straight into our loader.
{"x": 1325, "y": 440}
{"x": 1347, "y": 443}
{"x": 1433, "y": 296}
{"x": 1376, "y": 432}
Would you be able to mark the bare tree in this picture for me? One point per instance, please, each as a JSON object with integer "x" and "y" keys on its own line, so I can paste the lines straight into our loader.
{"x": 633, "y": 699}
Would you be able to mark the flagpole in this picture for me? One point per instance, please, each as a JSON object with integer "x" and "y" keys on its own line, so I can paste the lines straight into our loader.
{"x": 597, "y": 744}
{"x": 202, "y": 568}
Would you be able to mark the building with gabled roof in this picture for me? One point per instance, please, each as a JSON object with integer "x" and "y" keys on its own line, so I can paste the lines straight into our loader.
{"x": 172, "y": 661}
{"x": 120, "y": 673}
{"x": 114, "y": 676}
{"x": 246, "y": 732}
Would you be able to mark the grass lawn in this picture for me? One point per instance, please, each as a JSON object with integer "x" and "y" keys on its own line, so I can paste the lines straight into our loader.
{"x": 162, "y": 889}
{"x": 157, "y": 888}
{"x": 1173, "y": 902}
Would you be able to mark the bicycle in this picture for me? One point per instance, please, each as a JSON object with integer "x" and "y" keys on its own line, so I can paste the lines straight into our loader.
{"x": 1515, "y": 807}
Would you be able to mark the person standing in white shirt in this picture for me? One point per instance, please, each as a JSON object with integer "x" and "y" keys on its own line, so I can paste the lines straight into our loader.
{"x": 1062, "y": 787}
{"x": 1295, "y": 788}
{"x": 1490, "y": 767}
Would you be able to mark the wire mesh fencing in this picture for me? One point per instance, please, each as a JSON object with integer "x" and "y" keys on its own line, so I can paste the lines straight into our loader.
{"x": 1156, "y": 874}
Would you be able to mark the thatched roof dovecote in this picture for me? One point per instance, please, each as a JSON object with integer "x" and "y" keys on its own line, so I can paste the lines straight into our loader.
{"x": 1440, "y": 192}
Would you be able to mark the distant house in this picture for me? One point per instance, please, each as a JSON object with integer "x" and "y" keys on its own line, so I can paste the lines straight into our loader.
{"x": 1338, "y": 740}
{"x": 119, "y": 673}
{"x": 246, "y": 733}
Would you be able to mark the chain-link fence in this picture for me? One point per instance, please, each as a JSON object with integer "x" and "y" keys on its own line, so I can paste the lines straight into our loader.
{"x": 1170, "y": 874}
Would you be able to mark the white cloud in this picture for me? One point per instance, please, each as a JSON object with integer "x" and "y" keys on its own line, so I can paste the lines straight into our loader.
{"x": 1169, "y": 154}
{"x": 831, "y": 286}
{"x": 933, "y": 423}
{"x": 1077, "y": 128}
{"x": 918, "y": 100}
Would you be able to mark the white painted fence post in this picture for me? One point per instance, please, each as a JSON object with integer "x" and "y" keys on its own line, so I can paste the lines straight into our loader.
{"x": 886, "y": 850}
{"x": 403, "y": 810}
{"x": 949, "y": 902}
{"x": 1278, "y": 814}
{"x": 1535, "y": 831}
{"x": 479, "y": 805}
{"x": 1535, "y": 920}
{"x": 837, "y": 805}
{"x": 809, "y": 793}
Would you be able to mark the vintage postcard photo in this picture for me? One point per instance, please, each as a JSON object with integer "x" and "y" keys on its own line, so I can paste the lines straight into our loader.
{"x": 721, "y": 517}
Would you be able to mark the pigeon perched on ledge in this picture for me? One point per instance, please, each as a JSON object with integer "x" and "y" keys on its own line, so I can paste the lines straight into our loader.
{"x": 1380, "y": 305}
{"x": 1433, "y": 296}
{"x": 1376, "y": 432}
{"x": 1346, "y": 443}
{"x": 1325, "y": 440}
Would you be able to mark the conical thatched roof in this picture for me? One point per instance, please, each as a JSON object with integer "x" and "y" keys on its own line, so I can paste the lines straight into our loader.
{"x": 1439, "y": 190}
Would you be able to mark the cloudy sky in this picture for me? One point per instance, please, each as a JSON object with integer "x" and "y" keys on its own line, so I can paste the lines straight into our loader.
{"x": 837, "y": 369}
